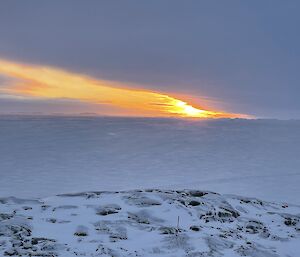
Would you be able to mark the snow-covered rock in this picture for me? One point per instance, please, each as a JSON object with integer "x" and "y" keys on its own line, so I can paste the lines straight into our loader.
{"x": 148, "y": 223}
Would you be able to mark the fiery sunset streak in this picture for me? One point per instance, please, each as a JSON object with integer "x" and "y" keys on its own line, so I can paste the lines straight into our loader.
{"x": 52, "y": 83}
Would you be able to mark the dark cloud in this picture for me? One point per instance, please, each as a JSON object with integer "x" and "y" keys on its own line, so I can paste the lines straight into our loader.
{"x": 25, "y": 105}
{"x": 244, "y": 53}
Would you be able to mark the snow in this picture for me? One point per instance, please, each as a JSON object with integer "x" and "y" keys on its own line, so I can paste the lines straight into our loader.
{"x": 148, "y": 223}
{"x": 44, "y": 156}
{"x": 45, "y": 162}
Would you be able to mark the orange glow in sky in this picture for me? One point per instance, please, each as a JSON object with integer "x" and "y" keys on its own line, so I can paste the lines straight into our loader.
{"x": 52, "y": 83}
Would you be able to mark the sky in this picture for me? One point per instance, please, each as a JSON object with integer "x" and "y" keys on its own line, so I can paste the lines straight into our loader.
{"x": 221, "y": 57}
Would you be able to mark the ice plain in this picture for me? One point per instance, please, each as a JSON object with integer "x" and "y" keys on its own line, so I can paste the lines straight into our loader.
{"x": 43, "y": 156}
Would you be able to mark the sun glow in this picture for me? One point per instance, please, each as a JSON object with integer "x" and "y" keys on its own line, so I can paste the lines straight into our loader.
{"x": 51, "y": 83}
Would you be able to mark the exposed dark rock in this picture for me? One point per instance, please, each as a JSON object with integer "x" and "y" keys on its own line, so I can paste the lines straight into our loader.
{"x": 197, "y": 193}
{"x": 195, "y": 228}
{"x": 108, "y": 209}
{"x": 194, "y": 203}
{"x": 169, "y": 230}
{"x": 81, "y": 231}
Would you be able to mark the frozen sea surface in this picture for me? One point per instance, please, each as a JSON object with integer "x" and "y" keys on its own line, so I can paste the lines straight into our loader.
{"x": 42, "y": 156}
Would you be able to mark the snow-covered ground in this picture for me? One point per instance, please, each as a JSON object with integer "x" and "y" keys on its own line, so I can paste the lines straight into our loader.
{"x": 43, "y": 156}
{"x": 148, "y": 223}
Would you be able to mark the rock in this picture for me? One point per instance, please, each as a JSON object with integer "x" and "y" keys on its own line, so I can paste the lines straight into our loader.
{"x": 81, "y": 231}
{"x": 143, "y": 201}
{"x": 51, "y": 220}
{"x": 194, "y": 203}
{"x": 11, "y": 252}
{"x": 108, "y": 209}
{"x": 169, "y": 230}
{"x": 197, "y": 193}
{"x": 195, "y": 228}
{"x": 291, "y": 221}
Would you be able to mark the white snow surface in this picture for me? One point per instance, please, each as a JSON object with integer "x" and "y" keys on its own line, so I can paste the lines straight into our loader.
{"x": 144, "y": 223}
{"x": 43, "y": 156}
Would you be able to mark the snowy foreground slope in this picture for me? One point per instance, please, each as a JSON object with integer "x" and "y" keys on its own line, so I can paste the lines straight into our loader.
{"x": 148, "y": 223}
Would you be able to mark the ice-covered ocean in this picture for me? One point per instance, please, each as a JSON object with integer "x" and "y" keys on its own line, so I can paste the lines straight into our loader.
{"x": 43, "y": 156}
